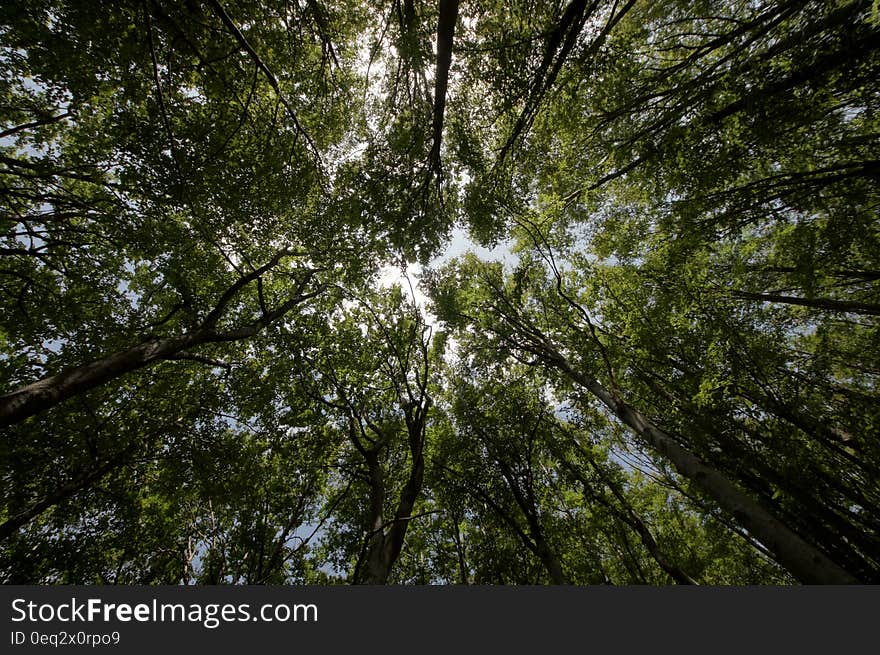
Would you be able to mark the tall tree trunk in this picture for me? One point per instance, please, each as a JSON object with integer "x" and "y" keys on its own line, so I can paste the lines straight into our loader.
{"x": 802, "y": 559}
{"x": 48, "y": 392}
{"x": 463, "y": 577}
{"x": 549, "y": 560}
{"x": 377, "y": 567}
{"x": 445, "y": 36}
{"x": 815, "y": 303}
{"x": 62, "y": 493}
{"x": 397, "y": 532}
{"x": 384, "y": 548}
{"x": 527, "y": 505}
{"x": 39, "y": 396}
{"x": 628, "y": 515}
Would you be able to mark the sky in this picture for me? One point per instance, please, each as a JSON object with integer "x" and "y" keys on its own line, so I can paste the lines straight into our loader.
{"x": 459, "y": 244}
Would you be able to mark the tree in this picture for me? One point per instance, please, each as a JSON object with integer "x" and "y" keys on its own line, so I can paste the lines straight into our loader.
{"x": 372, "y": 373}
{"x": 515, "y": 320}
{"x": 673, "y": 377}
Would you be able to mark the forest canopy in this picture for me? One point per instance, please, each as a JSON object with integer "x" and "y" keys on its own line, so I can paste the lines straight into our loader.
{"x": 670, "y": 377}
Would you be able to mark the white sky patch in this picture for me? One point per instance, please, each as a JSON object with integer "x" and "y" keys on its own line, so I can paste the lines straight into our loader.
{"x": 409, "y": 280}
{"x": 410, "y": 277}
{"x": 461, "y": 243}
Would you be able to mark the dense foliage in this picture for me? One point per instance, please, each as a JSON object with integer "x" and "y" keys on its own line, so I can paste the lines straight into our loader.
{"x": 669, "y": 377}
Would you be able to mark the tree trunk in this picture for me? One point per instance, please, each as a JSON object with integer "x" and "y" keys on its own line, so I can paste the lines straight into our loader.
{"x": 445, "y": 36}
{"x": 629, "y": 516}
{"x": 802, "y": 559}
{"x": 384, "y": 549}
{"x": 378, "y": 567}
{"x": 815, "y": 303}
{"x": 48, "y": 392}
{"x": 549, "y": 560}
{"x": 14, "y": 523}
